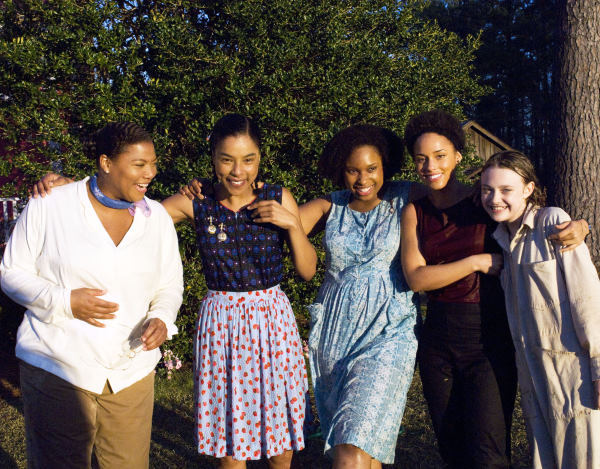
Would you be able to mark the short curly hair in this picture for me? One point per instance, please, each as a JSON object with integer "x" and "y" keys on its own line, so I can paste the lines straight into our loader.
{"x": 340, "y": 147}
{"x": 112, "y": 139}
{"x": 435, "y": 121}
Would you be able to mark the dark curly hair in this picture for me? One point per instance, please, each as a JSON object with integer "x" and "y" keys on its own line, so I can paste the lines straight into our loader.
{"x": 436, "y": 121}
{"x": 111, "y": 139}
{"x": 231, "y": 125}
{"x": 520, "y": 164}
{"x": 340, "y": 147}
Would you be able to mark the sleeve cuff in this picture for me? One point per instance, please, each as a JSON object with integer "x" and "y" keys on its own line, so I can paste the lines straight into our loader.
{"x": 67, "y": 302}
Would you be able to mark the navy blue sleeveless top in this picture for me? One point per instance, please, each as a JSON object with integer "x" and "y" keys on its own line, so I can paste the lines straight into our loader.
{"x": 251, "y": 256}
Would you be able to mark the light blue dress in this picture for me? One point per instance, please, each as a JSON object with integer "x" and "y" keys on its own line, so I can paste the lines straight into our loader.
{"x": 362, "y": 341}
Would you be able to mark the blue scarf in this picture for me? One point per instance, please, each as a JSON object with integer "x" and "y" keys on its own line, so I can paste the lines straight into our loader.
{"x": 118, "y": 204}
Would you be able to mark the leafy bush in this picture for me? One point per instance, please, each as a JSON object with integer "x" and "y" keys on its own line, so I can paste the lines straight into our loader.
{"x": 302, "y": 69}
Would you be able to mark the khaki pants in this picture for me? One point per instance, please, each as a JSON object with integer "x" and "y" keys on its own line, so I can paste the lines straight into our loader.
{"x": 64, "y": 424}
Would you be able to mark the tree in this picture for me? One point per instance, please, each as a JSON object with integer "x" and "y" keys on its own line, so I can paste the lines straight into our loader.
{"x": 516, "y": 62}
{"x": 303, "y": 69}
{"x": 577, "y": 161}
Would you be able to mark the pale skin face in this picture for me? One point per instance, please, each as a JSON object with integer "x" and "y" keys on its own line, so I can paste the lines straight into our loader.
{"x": 504, "y": 196}
{"x": 127, "y": 175}
{"x": 363, "y": 175}
{"x": 236, "y": 160}
{"x": 435, "y": 159}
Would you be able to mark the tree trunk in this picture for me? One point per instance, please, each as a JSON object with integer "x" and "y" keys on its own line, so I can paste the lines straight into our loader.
{"x": 576, "y": 179}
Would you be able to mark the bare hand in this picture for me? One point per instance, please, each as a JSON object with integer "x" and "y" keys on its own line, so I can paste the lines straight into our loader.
{"x": 596, "y": 394}
{"x": 155, "y": 333}
{"x": 570, "y": 234}
{"x": 87, "y": 307}
{"x": 490, "y": 264}
{"x": 44, "y": 186}
{"x": 192, "y": 190}
{"x": 271, "y": 211}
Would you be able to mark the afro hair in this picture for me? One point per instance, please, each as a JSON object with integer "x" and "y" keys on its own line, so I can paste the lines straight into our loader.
{"x": 340, "y": 147}
{"x": 436, "y": 121}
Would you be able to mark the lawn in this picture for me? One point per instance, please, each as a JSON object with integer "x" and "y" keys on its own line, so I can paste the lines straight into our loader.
{"x": 172, "y": 437}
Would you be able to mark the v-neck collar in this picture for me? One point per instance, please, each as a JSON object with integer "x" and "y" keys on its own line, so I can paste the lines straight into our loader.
{"x": 93, "y": 220}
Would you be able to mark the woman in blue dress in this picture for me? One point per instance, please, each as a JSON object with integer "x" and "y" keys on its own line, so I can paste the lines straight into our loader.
{"x": 362, "y": 341}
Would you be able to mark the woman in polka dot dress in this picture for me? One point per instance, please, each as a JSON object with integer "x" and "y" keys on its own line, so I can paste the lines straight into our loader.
{"x": 249, "y": 369}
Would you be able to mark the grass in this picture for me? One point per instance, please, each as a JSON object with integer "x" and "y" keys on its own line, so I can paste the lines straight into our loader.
{"x": 172, "y": 434}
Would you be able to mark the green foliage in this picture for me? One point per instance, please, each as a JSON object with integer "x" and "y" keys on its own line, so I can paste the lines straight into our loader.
{"x": 302, "y": 69}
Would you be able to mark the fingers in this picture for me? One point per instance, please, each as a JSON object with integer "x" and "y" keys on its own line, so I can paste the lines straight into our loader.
{"x": 269, "y": 211}
{"x": 192, "y": 189}
{"x": 155, "y": 333}
{"x": 40, "y": 189}
{"x": 185, "y": 191}
{"x": 87, "y": 307}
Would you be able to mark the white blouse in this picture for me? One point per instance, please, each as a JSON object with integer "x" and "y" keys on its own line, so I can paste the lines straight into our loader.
{"x": 59, "y": 244}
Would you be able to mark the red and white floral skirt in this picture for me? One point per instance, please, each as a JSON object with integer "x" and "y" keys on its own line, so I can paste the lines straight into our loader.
{"x": 250, "y": 376}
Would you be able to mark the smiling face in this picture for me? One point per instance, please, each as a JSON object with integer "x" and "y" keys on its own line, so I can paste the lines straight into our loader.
{"x": 126, "y": 176}
{"x": 504, "y": 194}
{"x": 435, "y": 159}
{"x": 236, "y": 159}
{"x": 363, "y": 173}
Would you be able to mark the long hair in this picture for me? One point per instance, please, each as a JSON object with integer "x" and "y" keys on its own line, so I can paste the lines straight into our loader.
{"x": 520, "y": 164}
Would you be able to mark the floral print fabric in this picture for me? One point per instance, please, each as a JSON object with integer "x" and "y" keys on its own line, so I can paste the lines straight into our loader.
{"x": 362, "y": 341}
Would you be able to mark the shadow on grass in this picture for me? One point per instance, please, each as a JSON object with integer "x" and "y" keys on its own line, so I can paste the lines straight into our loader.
{"x": 173, "y": 438}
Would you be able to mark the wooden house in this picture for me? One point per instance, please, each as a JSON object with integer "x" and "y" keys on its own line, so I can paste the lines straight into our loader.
{"x": 484, "y": 144}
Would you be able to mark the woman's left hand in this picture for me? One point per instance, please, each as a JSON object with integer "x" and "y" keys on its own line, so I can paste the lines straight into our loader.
{"x": 596, "y": 394}
{"x": 155, "y": 333}
{"x": 570, "y": 234}
{"x": 271, "y": 211}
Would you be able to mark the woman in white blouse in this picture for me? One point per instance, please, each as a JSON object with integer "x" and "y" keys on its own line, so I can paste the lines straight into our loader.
{"x": 98, "y": 268}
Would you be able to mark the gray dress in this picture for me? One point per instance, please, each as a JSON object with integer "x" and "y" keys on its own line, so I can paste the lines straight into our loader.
{"x": 362, "y": 341}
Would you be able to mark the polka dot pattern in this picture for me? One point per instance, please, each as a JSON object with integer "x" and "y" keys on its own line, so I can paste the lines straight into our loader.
{"x": 250, "y": 258}
{"x": 250, "y": 377}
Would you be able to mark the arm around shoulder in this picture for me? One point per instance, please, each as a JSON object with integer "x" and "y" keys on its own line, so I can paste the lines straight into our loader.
{"x": 303, "y": 252}
{"x": 179, "y": 207}
{"x": 313, "y": 214}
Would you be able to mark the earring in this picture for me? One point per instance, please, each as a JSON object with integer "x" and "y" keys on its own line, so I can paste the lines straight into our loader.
{"x": 222, "y": 236}
{"x": 212, "y": 229}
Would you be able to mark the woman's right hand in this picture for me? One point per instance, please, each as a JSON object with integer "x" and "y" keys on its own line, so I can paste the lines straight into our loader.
{"x": 87, "y": 307}
{"x": 192, "y": 189}
{"x": 490, "y": 264}
{"x": 44, "y": 186}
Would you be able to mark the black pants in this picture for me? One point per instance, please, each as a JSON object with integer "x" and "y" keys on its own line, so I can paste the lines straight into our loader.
{"x": 467, "y": 366}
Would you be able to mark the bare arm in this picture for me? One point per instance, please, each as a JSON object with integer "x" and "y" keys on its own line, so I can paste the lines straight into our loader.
{"x": 423, "y": 277}
{"x": 179, "y": 207}
{"x": 314, "y": 214}
{"x": 286, "y": 216}
{"x": 570, "y": 234}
